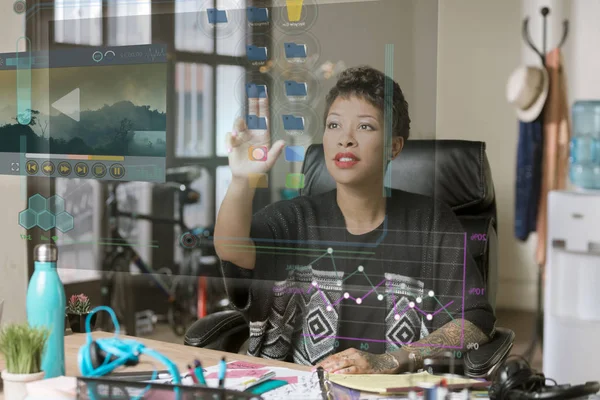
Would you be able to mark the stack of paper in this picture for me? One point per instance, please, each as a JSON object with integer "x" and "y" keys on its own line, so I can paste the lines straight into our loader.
{"x": 388, "y": 384}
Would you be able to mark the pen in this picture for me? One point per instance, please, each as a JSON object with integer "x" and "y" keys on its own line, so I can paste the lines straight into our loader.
{"x": 199, "y": 372}
{"x": 222, "y": 371}
{"x": 256, "y": 381}
{"x": 192, "y": 374}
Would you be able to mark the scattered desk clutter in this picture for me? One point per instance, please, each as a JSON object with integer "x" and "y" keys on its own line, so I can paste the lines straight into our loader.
{"x": 269, "y": 383}
{"x": 104, "y": 363}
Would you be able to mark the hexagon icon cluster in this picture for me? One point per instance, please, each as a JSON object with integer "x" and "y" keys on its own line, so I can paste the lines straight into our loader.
{"x": 46, "y": 213}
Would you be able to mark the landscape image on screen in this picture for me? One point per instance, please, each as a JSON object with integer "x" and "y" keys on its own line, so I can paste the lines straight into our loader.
{"x": 122, "y": 111}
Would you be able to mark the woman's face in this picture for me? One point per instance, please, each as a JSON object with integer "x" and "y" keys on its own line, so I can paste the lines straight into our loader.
{"x": 354, "y": 142}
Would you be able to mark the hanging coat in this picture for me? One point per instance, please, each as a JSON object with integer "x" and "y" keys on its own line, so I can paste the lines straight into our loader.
{"x": 528, "y": 177}
{"x": 557, "y": 135}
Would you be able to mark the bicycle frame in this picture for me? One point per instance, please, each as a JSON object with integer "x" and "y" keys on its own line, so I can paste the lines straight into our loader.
{"x": 130, "y": 253}
{"x": 135, "y": 257}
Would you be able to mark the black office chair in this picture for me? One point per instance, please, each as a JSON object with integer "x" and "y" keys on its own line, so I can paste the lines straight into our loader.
{"x": 454, "y": 171}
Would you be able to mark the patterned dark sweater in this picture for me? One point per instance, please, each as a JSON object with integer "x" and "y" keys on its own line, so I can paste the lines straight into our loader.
{"x": 317, "y": 289}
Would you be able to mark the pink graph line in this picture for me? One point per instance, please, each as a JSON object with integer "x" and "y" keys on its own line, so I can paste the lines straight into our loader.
{"x": 340, "y": 300}
{"x": 403, "y": 312}
{"x": 417, "y": 308}
{"x": 421, "y": 311}
{"x": 337, "y": 302}
{"x": 349, "y": 297}
{"x": 322, "y": 295}
{"x": 328, "y": 304}
{"x": 441, "y": 309}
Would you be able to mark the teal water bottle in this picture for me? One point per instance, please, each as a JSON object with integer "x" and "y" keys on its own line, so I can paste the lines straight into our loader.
{"x": 46, "y": 303}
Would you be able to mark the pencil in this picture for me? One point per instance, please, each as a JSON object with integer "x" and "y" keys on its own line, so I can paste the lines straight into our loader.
{"x": 222, "y": 372}
{"x": 192, "y": 374}
{"x": 199, "y": 372}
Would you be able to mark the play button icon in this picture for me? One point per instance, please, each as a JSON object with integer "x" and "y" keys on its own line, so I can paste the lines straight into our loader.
{"x": 69, "y": 104}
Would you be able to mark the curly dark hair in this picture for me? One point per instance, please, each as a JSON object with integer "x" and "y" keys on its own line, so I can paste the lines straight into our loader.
{"x": 369, "y": 84}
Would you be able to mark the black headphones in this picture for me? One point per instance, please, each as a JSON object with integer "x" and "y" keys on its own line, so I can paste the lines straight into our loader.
{"x": 515, "y": 380}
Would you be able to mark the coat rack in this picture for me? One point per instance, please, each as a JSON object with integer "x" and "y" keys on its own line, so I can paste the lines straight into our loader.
{"x": 539, "y": 323}
{"x": 542, "y": 54}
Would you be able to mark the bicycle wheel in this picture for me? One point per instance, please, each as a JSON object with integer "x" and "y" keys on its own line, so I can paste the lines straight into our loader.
{"x": 183, "y": 308}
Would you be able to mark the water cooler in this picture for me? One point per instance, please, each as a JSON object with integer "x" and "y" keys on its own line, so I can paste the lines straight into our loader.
{"x": 584, "y": 160}
{"x": 572, "y": 294}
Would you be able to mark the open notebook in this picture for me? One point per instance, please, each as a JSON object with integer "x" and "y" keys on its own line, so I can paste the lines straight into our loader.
{"x": 388, "y": 384}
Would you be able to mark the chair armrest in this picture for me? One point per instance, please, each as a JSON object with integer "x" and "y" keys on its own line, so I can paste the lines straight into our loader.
{"x": 224, "y": 331}
{"x": 485, "y": 361}
{"x": 484, "y": 250}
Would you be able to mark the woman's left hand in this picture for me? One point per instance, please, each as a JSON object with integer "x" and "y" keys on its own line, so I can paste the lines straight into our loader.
{"x": 352, "y": 361}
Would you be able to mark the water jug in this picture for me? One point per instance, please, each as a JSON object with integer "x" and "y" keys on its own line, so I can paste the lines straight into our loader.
{"x": 584, "y": 170}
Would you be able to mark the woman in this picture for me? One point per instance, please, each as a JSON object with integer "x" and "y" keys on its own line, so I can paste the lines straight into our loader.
{"x": 351, "y": 280}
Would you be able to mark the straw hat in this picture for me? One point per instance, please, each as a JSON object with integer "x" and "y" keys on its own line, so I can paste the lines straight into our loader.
{"x": 527, "y": 91}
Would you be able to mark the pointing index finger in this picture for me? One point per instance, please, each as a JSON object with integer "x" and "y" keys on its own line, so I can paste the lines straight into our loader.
{"x": 253, "y": 106}
{"x": 263, "y": 110}
{"x": 263, "y": 106}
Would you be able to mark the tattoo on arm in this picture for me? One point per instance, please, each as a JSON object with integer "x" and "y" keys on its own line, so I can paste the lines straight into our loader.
{"x": 448, "y": 335}
{"x": 381, "y": 363}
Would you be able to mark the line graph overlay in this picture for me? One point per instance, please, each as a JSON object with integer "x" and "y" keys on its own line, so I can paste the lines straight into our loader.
{"x": 381, "y": 295}
{"x": 359, "y": 300}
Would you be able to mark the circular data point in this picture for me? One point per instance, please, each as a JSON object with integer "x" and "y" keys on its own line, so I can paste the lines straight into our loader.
{"x": 397, "y": 317}
{"x": 429, "y": 317}
{"x": 431, "y": 293}
{"x": 314, "y": 283}
{"x": 20, "y": 6}
{"x": 346, "y": 295}
{"x": 330, "y": 250}
{"x": 411, "y": 304}
{"x": 361, "y": 268}
{"x": 329, "y": 308}
{"x": 188, "y": 240}
{"x": 379, "y": 297}
{"x": 419, "y": 299}
{"x": 358, "y": 301}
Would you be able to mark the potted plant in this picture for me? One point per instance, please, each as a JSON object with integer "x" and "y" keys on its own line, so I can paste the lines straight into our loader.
{"x": 78, "y": 309}
{"x": 22, "y": 347}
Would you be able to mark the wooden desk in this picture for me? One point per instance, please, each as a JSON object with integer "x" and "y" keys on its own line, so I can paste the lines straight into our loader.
{"x": 181, "y": 355}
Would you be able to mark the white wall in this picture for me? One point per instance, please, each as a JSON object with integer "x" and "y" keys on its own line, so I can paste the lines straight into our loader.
{"x": 479, "y": 44}
{"x": 13, "y": 255}
{"x": 583, "y": 62}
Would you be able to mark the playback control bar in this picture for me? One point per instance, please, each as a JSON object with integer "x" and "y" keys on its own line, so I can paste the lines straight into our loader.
{"x": 148, "y": 169}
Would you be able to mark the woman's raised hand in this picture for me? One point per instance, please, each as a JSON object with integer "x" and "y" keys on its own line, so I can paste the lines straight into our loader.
{"x": 247, "y": 147}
